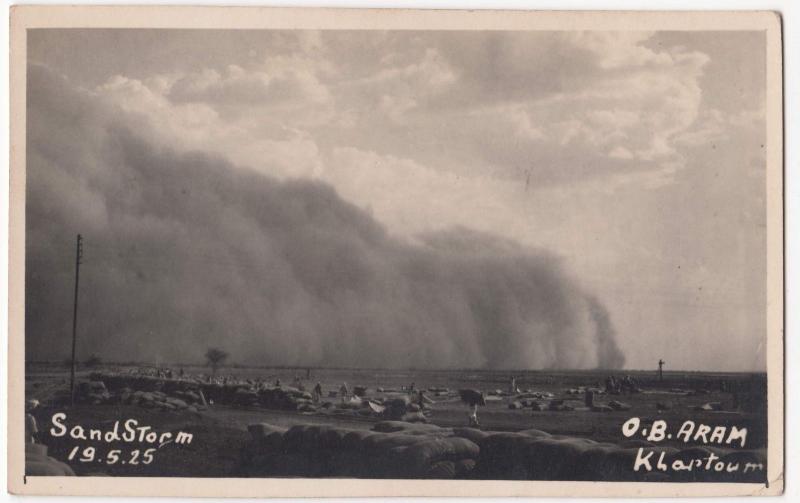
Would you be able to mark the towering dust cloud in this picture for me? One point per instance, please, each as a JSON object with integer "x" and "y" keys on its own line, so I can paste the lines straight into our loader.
{"x": 184, "y": 251}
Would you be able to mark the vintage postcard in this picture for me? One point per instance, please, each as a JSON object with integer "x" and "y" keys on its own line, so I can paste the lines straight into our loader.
{"x": 323, "y": 252}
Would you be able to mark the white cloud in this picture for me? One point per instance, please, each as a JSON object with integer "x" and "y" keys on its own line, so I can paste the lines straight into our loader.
{"x": 284, "y": 152}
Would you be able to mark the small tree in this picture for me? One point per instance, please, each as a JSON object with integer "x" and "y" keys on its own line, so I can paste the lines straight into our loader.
{"x": 215, "y": 357}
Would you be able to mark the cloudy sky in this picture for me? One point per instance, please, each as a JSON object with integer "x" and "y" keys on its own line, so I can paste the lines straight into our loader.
{"x": 637, "y": 158}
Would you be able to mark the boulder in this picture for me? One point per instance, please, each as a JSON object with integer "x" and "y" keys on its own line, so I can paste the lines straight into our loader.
{"x": 420, "y": 456}
{"x": 616, "y": 405}
{"x": 414, "y": 417}
{"x": 441, "y": 470}
{"x": 472, "y": 434}
{"x": 37, "y": 462}
{"x": 534, "y": 433}
{"x": 176, "y": 402}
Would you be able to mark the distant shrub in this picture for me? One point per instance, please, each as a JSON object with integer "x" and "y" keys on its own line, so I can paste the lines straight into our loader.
{"x": 214, "y": 358}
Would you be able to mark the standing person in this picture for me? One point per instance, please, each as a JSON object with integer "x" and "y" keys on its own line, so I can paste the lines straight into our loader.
{"x": 627, "y": 385}
{"x": 317, "y": 393}
{"x": 512, "y": 386}
{"x": 31, "y": 428}
{"x": 473, "y": 415}
{"x": 473, "y": 398}
{"x": 344, "y": 391}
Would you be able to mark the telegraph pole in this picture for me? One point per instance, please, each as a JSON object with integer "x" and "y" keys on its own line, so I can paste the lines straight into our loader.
{"x": 660, "y": 369}
{"x": 78, "y": 257}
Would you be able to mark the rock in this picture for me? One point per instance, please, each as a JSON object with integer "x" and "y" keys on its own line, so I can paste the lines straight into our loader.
{"x": 709, "y": 406}
{"x": 560, "y": 406}
{"x": 614, "y": 404}
{"x": 414, "y": 417}
{"x": 262, "y": 430}
{"x": 88, "y": 387}
{"x": 442, "y": 470}
{"x": 464, "y": 468}
{"x": 176, "y": 402}
{"x": 37, "y": 462}
{"x": 515, "y": 405}
{"x": 470, "y": 434}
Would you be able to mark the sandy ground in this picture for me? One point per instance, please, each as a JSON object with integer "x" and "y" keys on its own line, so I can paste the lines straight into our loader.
{"x": 220, "y": 432}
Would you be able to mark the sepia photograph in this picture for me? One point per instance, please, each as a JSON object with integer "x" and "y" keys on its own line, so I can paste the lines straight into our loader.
{"x": 441, "y": 248}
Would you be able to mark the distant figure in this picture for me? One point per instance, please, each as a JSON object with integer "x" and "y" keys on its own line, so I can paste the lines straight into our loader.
{"x": 277, "y": 383}
{"x": 180, "y": 372}
{"x": 344, "y": 391}
{"x": 31, "y": 428}
{"x": 512, "y": 386}
{"x": 661, "y": 369}
{"x": 473, "y": 398}
{"x": 612, "y": 386}
{"x": 412, "y": 388}
{"x": 627, "y": 385}
{"x": 421, "y": 399}
{"x": 308, "y": 373}
{"x": 588, "y": 398}
{"x": 316, "y": 395}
